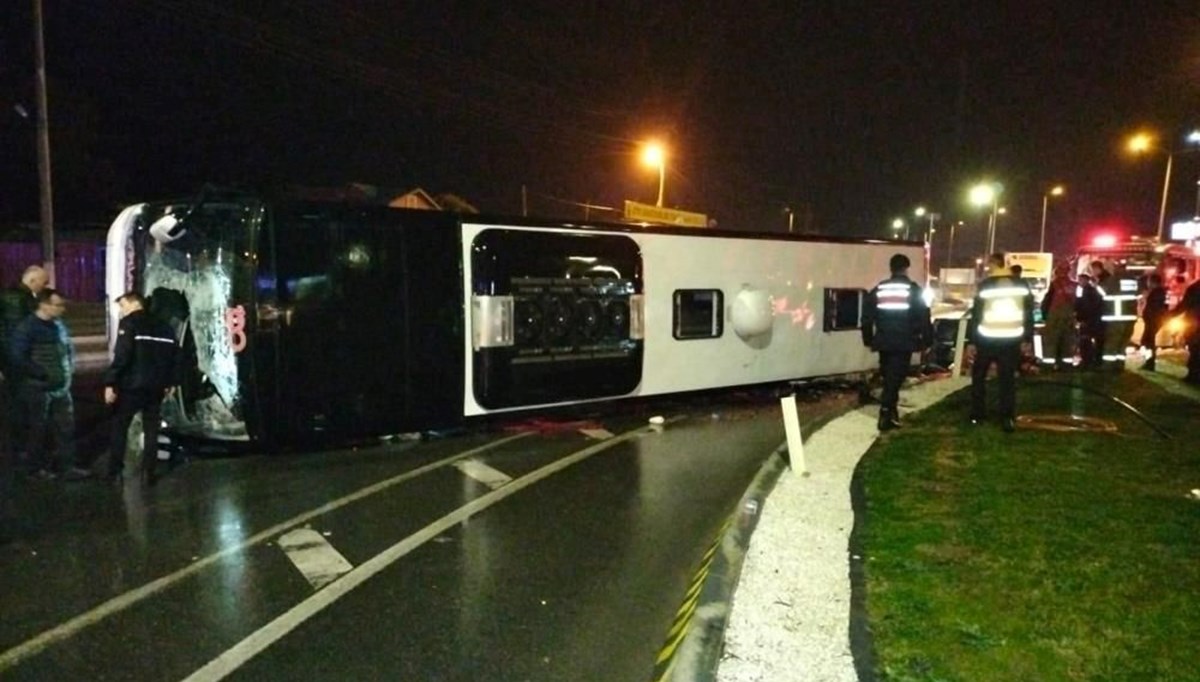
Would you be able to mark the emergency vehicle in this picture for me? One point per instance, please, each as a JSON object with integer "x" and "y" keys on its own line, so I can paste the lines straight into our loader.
{"x": 1131, "y": 262}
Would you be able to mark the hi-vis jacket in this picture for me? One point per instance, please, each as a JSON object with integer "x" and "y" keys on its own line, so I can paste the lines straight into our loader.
{"x": 895, "y": 317}
{"x": 1002, "y": 313}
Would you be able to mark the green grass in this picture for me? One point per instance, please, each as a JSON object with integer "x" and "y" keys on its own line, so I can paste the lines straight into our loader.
{"x": 1037, "y": 556}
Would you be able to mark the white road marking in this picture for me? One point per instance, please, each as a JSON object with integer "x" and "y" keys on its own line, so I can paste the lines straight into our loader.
{"x": 483, "y": 473}
{"x": 123, "y": 601}
{"x": 598, "y": 434}
{"x": 317, "y": 560}
{"x": 258, "y": 641}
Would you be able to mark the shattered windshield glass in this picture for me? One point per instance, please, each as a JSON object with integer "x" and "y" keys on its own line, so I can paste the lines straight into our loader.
{"x": 195, "y": 263}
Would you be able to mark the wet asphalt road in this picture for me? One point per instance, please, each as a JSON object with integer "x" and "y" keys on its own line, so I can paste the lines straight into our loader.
{"x": 574, "y": 576}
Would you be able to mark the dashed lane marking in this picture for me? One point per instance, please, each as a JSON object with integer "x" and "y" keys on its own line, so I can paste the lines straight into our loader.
{"x": 123, "y": 601}
{"x": 248, "y": 648}
{"x": 598, "y": 434}
{"x": 316, "y": 559}
{"x": 483, "y": 473}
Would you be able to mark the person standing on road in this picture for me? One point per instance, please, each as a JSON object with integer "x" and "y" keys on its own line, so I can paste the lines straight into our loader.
{"x": 1089, "y": 310}
{"x": 896, "y": 324}
{"x": 1058, "y": 312}
{"x": 1000, "y": 330}
{"x": 42, "y": 357}
{"x": 1189, "y": 307}
{"x": 16, "y": 304}
{"x": 141, "y": 375}
{"x": 1152, "y": 317}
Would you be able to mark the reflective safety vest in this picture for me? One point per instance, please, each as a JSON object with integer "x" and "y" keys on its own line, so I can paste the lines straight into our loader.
{"x": 893, "y": 296}
{"x": 1002, "y": 310}
{"x": 1118, "y": 306}
{"x": 895, "y": 317}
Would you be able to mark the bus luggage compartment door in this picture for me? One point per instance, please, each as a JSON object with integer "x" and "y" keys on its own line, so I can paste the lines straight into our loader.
{"x": 553, "y": 317}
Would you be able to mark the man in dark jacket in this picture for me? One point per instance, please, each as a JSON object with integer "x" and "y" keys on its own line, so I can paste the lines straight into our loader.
{"x": 142, "y": 372}
{"x": 42, "y": 360}
{"x": 1058, "y": 312}
{"x": 1000, "y": 330}
{"x": 896, "y": 324}
{"x": 16, "y": 304}
{"x": 1153, "y": 313}
{"x": 1089, "y": 310}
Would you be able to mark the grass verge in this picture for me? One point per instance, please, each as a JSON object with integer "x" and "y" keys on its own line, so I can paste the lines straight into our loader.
{"x": 1037, "y": 555}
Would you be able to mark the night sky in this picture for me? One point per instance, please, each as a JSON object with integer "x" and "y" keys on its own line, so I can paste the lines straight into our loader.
{"x": 849, "y": 113}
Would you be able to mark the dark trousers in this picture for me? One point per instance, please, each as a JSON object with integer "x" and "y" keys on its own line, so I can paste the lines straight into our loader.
{"x": 1007, "y": 358}
{"x": 53, "y": 415}
{"x": 129, "y": 403}
{"x": 1091, "y": 344}
{"x": 893, "y": 365}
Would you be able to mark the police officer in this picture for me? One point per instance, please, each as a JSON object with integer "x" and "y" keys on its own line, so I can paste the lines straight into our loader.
{"x": 1000, "y": 330}
{"x": 895, "y": 323}
{"x": 142, "y": 372}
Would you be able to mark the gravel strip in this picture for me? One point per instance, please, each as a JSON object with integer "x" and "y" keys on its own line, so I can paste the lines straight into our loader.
{"x": 790, "y": 618}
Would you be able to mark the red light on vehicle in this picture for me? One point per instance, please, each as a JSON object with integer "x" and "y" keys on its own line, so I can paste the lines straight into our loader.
{"x": 1104, "y": 240}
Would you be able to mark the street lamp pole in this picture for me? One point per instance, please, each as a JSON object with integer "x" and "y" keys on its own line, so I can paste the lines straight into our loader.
{"x": 662, "y": 173}
{"x": 950, "y": 247}
{"x": 1042, "y": 239}
{"x": 653, "y": 154}
{"x": 1162, "y": 210}
{"x": 1054, "y": 191}
{"x": 920, "y": 212}
{"x": 43, "y": 146}
{"x": 981, "y": 195}
{"x": 992, "y": 227}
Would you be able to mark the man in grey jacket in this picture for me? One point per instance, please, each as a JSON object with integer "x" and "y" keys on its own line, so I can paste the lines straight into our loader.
{"x": 42, "y": 358}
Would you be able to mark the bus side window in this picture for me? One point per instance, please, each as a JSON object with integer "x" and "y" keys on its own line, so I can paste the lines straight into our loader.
{"x": 303, "y": 262}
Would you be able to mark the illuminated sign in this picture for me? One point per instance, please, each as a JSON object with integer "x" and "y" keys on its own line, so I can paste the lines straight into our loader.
{"x": 1034, "y": 264}
{"x": 1184, "y": 231}
{"x": 667, "y": 216}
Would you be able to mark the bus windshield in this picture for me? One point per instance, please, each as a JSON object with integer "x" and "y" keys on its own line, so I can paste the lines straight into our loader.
{"x": 194, "y": 264}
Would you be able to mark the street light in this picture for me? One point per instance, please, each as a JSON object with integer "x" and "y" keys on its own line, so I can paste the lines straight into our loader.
{"x": 921, "y": 213}
{"x": 984, "y": 194}
{"x": 1055, "y": 191}
{"x": 1142, "y": 143}
{"x": 655, "y": 156}
{"x": 899, "y": 224}
{"x": 950, "y": 247}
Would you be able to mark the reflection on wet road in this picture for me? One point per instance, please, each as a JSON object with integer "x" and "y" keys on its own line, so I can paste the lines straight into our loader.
{"x": 556, "y": 554}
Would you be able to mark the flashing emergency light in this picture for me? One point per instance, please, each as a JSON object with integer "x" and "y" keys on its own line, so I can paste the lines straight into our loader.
{"x": 1176, "y": 325}
{"x": 1104, "y": 240}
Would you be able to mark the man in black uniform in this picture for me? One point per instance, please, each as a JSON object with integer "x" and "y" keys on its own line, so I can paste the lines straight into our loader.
{"x": 1000, "y": 330}
{"x": 895, "y": 322}
{"x": 1153, "y": 313}
{"x": 142, "y": 372}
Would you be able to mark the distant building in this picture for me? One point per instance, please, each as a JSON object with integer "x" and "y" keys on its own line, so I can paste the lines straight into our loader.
{"x": 370, "y": 194}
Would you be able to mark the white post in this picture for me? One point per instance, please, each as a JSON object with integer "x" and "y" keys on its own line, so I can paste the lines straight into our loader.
{"x": 791, "y": 425}
{"x": 960, "y": 346}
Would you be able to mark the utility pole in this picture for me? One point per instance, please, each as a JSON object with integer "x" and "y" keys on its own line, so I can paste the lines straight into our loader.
{"x": 43, "y": 146}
